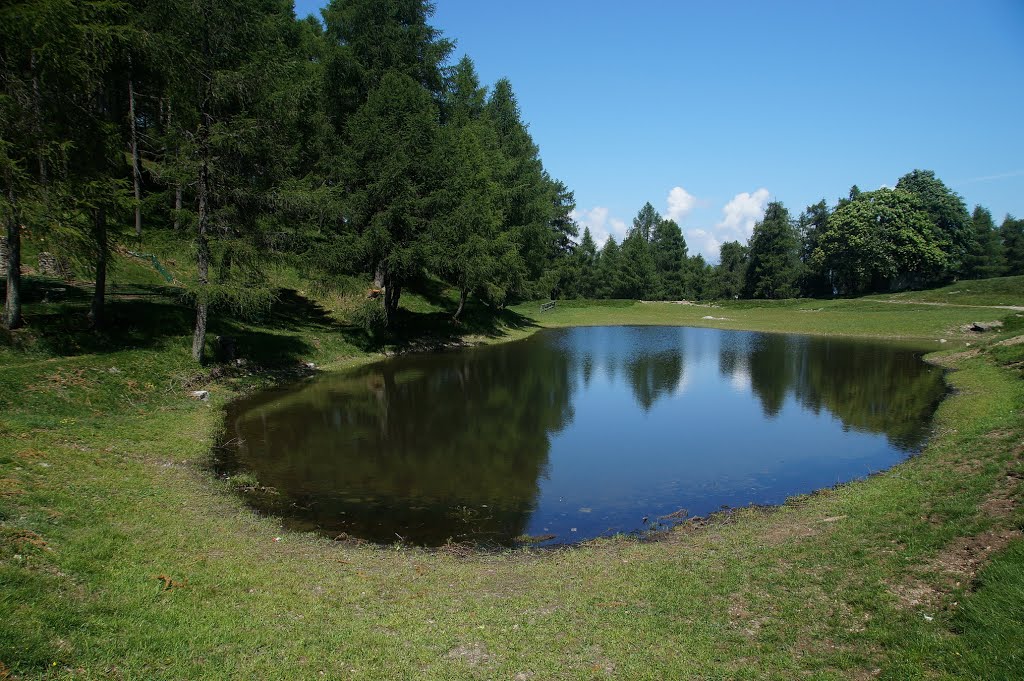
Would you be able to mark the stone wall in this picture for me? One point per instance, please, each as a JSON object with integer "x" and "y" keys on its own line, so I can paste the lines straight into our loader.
{"x": 51, "y": 265}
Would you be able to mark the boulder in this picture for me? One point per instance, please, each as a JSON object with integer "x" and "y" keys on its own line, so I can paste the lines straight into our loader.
{"x": 226, "y": 349}
{"x": 981, "y": 327}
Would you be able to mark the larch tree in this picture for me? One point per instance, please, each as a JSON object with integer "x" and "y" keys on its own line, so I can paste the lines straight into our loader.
{"x": 526, "y": 203}
{"x": 668, "y": 248}
{"x": 773, "y": 255}
{"x": 229, "y": 54}
{"x": 985, "y": 257}
{"x": 1011, "y": 232}
{"x": 394, "y": 179}
{"x": 586, "y": 265}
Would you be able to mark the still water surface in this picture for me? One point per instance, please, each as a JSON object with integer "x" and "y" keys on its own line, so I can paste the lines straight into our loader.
{"x": 578, "y": 432}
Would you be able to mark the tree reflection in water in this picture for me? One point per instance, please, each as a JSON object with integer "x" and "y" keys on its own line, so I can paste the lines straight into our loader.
{"x": 485, "y": 445}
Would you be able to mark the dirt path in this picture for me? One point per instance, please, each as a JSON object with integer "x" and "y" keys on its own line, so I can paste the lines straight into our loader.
{"x": 1018, "y": 308}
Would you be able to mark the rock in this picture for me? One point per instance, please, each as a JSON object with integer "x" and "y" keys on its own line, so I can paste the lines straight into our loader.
{"x": 981, "y": 327}
{"x": 203, "y": 395}
{"x": 51, "y": 265}
{"x": 309, "y": 365}
{"x": 226, "y": 348}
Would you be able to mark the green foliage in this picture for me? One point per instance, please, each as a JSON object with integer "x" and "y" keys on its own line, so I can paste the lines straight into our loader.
{"x": 370, "y": 316}
{"x": 646, "y": 221}
{"x": 609, "y": 271}
{"x": 812, "y": 223}
{"x": 984, "y": 257}
{"x": 668, "y": 248}
{"x": 947, "y": 214}
{"x": 773, "y": 256}
{"x": 731, "y": 273}
{"x": 394, "y": 177}
{"x": 586, "y": 266}
{"x": 880, "y": 241}
{"x": 1012, "y": 234}
{"x": 637, "y": 275}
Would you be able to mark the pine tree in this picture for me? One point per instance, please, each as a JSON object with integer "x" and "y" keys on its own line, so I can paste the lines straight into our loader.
{"x": 773, "y": 255}
{"x": 586, "y": 265}
{"x": 1011, "y": 232}
{"x": 526, "y": 204}
{"x": 466, "y": 246}
{"x": 395, "y": 176}
{"x": 645, "y": 221}
{"x": 731, "y": 273}
{"x": 609, "y": 271}
{"x": 811, "y": 224}
{"x": 985, "y": 256}
{"x": 637, "y": 278}
{"x": 233, "y": 50}
{"x": 668, "y": 248}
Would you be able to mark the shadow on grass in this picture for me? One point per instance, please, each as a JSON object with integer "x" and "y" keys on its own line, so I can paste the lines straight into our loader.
{"x": 423, "y": 330}
{"x": 158, "y": 317}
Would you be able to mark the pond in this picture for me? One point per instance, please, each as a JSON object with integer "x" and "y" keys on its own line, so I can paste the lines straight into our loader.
{"x": 575, "y": 433}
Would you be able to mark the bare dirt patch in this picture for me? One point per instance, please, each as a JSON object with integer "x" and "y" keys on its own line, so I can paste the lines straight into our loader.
{"x": 1016, "y": 340}
{"x": 960, "y": 561}
{"x": 951, "y": 359}
{"x": 473, "y": 654}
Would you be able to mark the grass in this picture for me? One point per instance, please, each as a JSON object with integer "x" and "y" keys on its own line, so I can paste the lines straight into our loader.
{"x": 122, "y": 557}
{"x": 998, "y": 291}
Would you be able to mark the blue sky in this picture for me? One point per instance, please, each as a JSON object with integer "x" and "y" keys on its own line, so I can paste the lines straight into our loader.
{"x": 711, "y": 109}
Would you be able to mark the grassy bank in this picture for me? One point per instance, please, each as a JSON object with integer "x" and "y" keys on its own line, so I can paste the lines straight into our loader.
{"x": 122, "y": 557}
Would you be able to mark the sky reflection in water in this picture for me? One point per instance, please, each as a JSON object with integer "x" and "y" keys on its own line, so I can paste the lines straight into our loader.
{"x": 579, "y": 432}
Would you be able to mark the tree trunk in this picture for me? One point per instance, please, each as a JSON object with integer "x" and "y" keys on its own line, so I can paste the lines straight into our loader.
{"x": 392, "y": 292}
{"x": 37, "y": 122}
{"x": 202, "y": 249}
{"x": 177, "y": 207}
{"x": 12, "y": 305}
{"x": 177, "y": 185}
{"x": 136, "y": 174}
{"x": 378, "y": 277}
{"x": 462, "y": 303}
{"x": 96, "y": 312}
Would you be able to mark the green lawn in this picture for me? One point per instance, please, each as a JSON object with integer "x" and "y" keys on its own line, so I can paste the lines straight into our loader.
{"x": 122, "y": 557}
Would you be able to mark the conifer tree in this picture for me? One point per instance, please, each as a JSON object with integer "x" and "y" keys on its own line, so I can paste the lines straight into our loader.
{"x": 526, "y": 204}
{"x": 587, "y": 266}
{"x": 395, "y": 175}
{"x": 773, "y": 255}
{"x": 668, "y": 248}
{"x": 985, "y": 257}
{"x": 1012, "y": 234}
{"x": 609, "y": 271}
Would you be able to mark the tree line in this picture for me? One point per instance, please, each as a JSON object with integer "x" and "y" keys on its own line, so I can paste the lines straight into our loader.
{"x": 352, "y": 146}
{"x": 916, "y": 235}
{"x": 355, "y": 147}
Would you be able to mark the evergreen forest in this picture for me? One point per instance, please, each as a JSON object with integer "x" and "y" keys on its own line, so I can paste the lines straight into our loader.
{"x": 360, "y": 148}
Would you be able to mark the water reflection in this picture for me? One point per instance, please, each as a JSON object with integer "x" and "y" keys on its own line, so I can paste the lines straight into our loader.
{"x": 578, "y": 432}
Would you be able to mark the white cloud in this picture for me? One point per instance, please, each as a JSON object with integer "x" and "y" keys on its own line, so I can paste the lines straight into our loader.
{"x": 703, "y": 242}
{"x": 739, "y": 216}
{"x": 680, "y": 204}
{"x": 601, "y": 224}
{"x": 741, "y": 213}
